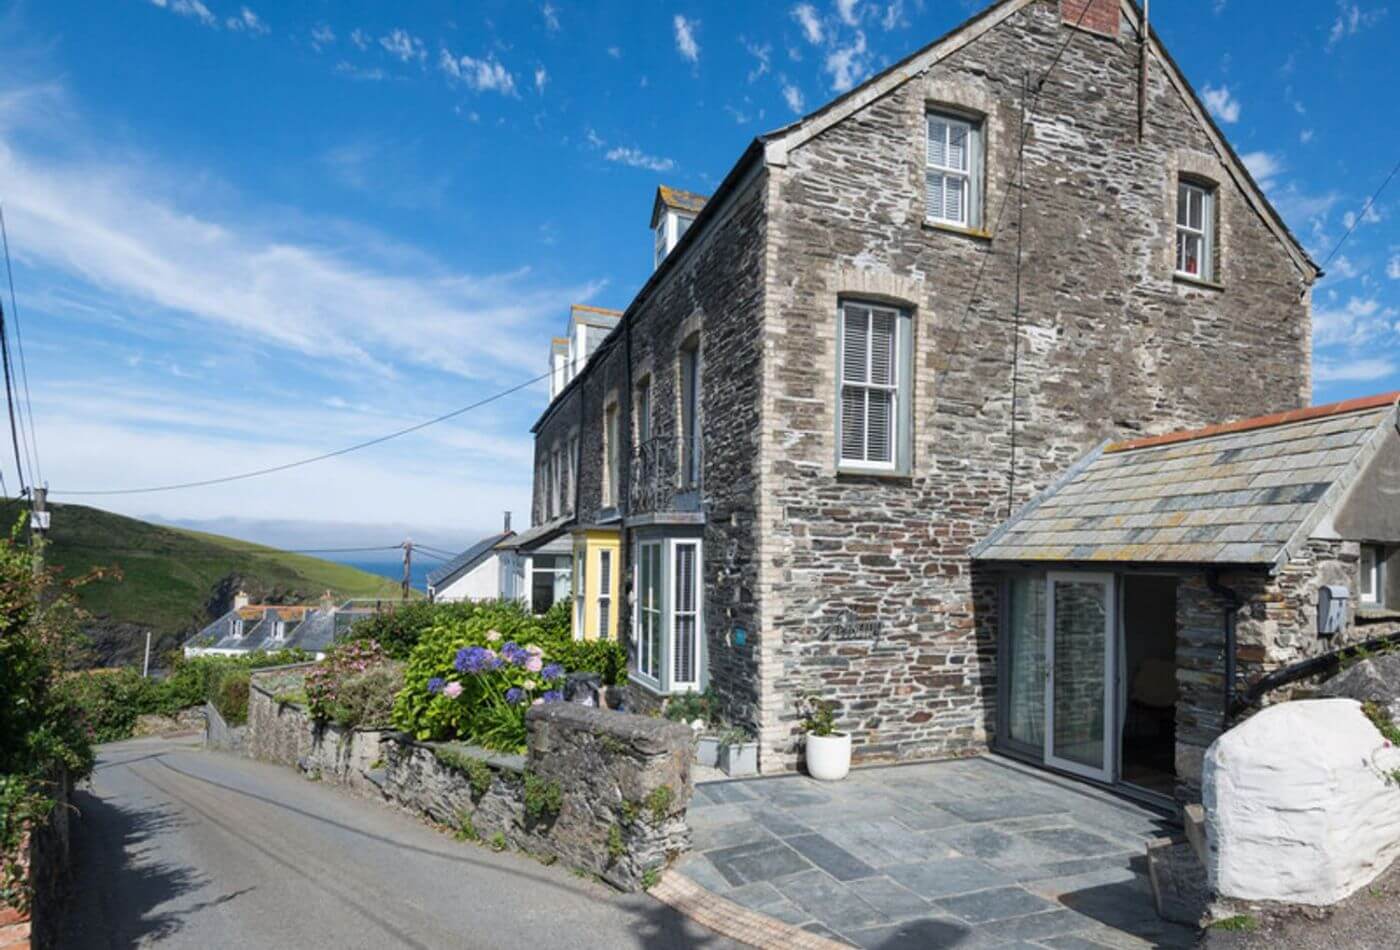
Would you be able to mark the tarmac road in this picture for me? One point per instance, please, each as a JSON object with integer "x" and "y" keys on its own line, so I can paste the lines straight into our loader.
{"x": 177, "y": 847}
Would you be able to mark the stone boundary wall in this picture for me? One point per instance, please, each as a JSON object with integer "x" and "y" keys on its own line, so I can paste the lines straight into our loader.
{"x": 218, "y": 734}
{"x": 45, "y": 852}
{"x": 602, "y": 791}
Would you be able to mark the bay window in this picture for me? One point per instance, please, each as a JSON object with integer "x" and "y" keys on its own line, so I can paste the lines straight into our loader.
{"x": 669, "y": 614}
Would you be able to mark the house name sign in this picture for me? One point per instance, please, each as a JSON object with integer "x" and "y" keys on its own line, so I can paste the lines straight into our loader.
{"x": 849, "y": 627}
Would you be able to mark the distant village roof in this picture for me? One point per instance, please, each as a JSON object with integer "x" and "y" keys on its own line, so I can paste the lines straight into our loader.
{"x": 467, "y": 560}
{"x": 248, "y": 629}
{"x": 1245, "y": 492}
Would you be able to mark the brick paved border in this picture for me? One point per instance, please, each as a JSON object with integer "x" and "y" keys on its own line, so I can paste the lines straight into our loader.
{"x": 728, "y": 919}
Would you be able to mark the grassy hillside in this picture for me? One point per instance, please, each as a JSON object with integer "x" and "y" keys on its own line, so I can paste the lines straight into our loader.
{"x": 172, "y": 580}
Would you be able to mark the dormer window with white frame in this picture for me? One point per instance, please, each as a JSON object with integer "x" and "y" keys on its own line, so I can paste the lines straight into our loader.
{"x": 669, "y": 231}
{"x": 236, "y": 628}
{"x": 672, "y": 214}
{"x": 279, "y": 630}
{"x": 952, "y": 172}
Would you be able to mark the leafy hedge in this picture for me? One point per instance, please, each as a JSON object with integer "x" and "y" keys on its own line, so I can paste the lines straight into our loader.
{"x": 354, "y": 686}
{"x": 110, "y": 700}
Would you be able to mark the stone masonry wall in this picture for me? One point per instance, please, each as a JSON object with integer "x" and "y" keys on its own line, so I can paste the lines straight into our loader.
{"x": 622, "y": 782}
{"x": 44, "y": 856}
{"x": 714, "y": 294}
{"x": 1109, "y": 344}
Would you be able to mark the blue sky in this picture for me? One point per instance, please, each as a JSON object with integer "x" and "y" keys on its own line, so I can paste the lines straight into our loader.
{"x": 247, "y": 233}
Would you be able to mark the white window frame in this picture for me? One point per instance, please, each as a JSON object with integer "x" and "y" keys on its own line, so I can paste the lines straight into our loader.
{"x": 605, "y": 569}
{"x": 897, "y": 381}
{"x": 651, "y": 603}
{"x": 279, "y": 630}
{"x": 580, "y": 588}
{"x": 663, "y": 243}
{"x": 237, "y": 628}
{"x": 1205, "y": 233}
{"x": 969, "y": 173}
{"x": 1372, "y": 572}
{"x": 676, "y": 684}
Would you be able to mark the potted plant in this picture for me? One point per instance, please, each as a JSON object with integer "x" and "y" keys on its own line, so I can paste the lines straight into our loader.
{"x": 697, "y": 710}
{"x": 738, "y": 752}
{"x": 828, "y": 751}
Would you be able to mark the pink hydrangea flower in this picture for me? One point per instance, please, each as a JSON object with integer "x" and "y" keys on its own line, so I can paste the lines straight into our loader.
{"x": 452, "y": 690}
{"x": 534, "y": 664}
{"x": 538, "y": 702}
{"x": 534, "y": 650}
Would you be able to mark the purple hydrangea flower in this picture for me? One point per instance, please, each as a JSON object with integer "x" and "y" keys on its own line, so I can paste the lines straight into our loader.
{"x": 515, "y": 695}
{"x": 552, "y": 672}
{"x": 553, "y": 696}
{"x": 435, "y": 684}
{"x": 513, "y": 652}
{"x": 476, "y": 660}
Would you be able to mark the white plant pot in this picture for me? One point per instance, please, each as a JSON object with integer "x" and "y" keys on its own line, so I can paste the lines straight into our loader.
{"x": 829, "y": 757}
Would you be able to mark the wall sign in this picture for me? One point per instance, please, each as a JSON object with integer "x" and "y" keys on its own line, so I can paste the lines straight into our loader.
{"x": 850, "y": 627}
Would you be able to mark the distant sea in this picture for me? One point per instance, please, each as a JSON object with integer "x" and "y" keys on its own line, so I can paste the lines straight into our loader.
{"x": 394, "y": 570}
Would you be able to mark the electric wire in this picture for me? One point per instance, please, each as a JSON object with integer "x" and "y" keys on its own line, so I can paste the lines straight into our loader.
{"x": 1356, "y": 222}
{"x": 10, "y": 399}
{"x": 255, "y": 473}
{"x": 35, "y": 465}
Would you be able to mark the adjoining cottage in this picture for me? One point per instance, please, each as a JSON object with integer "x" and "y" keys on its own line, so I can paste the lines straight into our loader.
{"x": 478, "y": 573}
{"x": 1146, "y": 589}
{"x": 896, "y": 322}
{"x": 249, "y": 628}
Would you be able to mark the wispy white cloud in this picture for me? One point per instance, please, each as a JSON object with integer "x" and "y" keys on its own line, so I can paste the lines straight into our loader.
{"x": 350, "y": 70}
{"x": 1305, "y": 136}
{"x": 193, "y": 9}
{"x": 247, "y": 22}
{"x": 1353, "y": 371}
{"x": 1221, "y": 103}
{"x": 1264, "y": 166}
{"x": 846, "y": 64}
{"x": 1392, "y": 267}
{"x": 1370, "y": 214}
{"x": 793, "y": 97}
{"x": 849, "y": 11}
{"x": 615, "y": 52}
{"x": 551, "y": 17}
{"x": 1358, "y": 322}
{"x": 762, "y": 55}
{"x": 322, "y": 36}
{"x": 894, "y": 15}
{"x": 686, "y": 43}
{"x": 1351, "y": 20}
{"x": 541, "y": 79}
{"x": 806, "y": 16}
{"x": 404, "y": 45}
{"x": 636, "y": 158}
{"x": 482, "y": 75}
{"x": 360, "y": 38}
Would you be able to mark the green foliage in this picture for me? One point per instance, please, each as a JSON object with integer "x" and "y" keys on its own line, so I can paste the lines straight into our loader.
{"x": 398, "y": 629}
{"x": 478, "y": 773}
{"x": 1239, "y": 923}
{"x": 542, "y": 798}
{"x": 738, "y": 735}
{"x": 291, "y": 697}
{"x": 616, "y": 848}
{"x": 1380, "y": 717}
{"x": 354, "y": 686}
{"x": 498, "y": 841}
{"x": 659, "y": 802}
{"x": 689, "y": 707}
{"x": 41, "y": 731}
{"x": 819, "y": 715}
{"x": 444, "y": 698}
{"x": 466, "y": 829}
{"x": 629, "y": 812}
{"x": 650, "y": 878}
{"x": 111, "y": 699}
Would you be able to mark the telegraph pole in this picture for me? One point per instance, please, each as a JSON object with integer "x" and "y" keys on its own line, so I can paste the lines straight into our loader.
{"x": 38, "y": 526}
{"x": 407, "y": 566}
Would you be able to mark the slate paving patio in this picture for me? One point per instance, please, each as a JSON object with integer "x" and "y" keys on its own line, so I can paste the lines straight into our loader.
{"x": 972, "y": 853}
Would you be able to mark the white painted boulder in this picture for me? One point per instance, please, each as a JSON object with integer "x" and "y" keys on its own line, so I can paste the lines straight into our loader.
{"x": 1300, "y": 806}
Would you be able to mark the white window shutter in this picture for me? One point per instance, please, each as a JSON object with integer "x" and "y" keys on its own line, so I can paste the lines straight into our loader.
{"x": 853, "y": 424}
{"x": 855, "y": 346}
{"x": 882, "y": 331}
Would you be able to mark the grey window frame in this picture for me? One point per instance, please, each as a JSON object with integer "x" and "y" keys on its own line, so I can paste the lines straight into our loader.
{"x": 976, "y": 161}
{"x": 689, "y": 377}
{"x": 903, "y": 421}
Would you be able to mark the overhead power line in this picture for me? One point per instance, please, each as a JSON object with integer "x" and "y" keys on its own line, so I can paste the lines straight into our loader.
{"x": 379, "y": 440}
{"x": 1356, "y": 222}
{"x": 36, "y": 468}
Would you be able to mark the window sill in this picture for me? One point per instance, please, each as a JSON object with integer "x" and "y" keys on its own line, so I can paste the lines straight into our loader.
{"x": 886, "y": 474}
{"x": 1190, "y": 281}
{"x": 975, "y": 233}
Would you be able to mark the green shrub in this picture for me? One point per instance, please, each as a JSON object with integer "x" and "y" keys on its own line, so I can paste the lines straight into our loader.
{"x": 230, "y": 697}
{"x": 109, "y": 700}
{"x": 616, "y": 848}
{"x": 542, "y": 797}
{"x": 659, "y": 802}
{"x": 354, "y": 685}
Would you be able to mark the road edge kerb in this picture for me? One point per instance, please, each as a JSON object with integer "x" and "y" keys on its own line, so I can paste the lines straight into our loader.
{"x": 729, "y": 919}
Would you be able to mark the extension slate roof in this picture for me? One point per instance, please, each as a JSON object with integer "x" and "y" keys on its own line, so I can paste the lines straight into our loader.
{"x": 467, "y": 560}
{"x": 1242, "y": 493}
{"x": 538, "y": 535}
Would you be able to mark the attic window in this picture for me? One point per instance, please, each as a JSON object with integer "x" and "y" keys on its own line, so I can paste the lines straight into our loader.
{"x": 279, "y": 629}
{"x": 953, "y": 156}
{"x": 669, "y": 231}
{"x": 1195, "y": 230}
{"x": 237, "y": 628}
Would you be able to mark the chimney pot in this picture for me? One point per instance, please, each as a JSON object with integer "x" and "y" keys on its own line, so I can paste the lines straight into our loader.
{"x": 507, "y": 523}
{"x": 241, "y": 599}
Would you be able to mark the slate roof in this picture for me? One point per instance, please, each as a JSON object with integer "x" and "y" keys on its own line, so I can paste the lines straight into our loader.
{"x": 1242, "y": 493}
{"x": 538, "y": 535}
{"x": 312, "y": 629}
{"x": 467, "y": 560}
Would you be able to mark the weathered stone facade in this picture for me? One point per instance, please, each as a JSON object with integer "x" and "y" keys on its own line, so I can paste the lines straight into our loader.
{"x": 622, "y": 782}
{"x": 1107, "y": 342}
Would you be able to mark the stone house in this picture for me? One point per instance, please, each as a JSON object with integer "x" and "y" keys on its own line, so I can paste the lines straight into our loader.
{"x": 870, "y": 348}
{"x": 250, "y": 628}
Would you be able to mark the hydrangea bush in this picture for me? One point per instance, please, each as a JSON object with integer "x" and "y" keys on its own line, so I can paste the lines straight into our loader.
{"x": 354, "y": 686}
{"x": 466, "y": 683}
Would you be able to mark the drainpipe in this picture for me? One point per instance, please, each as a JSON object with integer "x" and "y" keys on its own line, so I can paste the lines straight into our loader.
{"x": 1233, "y": 604}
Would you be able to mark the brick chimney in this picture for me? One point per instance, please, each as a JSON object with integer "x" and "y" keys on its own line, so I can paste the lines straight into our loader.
{"x": 240, "y": 599}
{"x": 506, "y": 529}
{"x": 1101, "y": 16}
{"x": 327, "y": 602}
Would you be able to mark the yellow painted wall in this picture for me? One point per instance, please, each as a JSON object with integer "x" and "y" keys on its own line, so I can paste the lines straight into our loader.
{"x": 588, "y": 548}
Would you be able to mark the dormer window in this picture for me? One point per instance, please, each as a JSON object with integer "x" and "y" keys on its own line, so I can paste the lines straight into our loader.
{"x": 279, "y": 629}
{"x": 672, "y": 214}
{"x": 237, "y": 628}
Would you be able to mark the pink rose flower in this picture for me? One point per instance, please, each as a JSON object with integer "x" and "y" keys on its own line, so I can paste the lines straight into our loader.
{"x": 452, "y": 690}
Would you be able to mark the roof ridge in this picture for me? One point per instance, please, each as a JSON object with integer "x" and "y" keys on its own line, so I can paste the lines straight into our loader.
{"x": 1343, "y": 407}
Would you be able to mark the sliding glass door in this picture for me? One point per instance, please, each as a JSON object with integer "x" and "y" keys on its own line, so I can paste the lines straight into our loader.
{"x": 1079, "y": 698}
